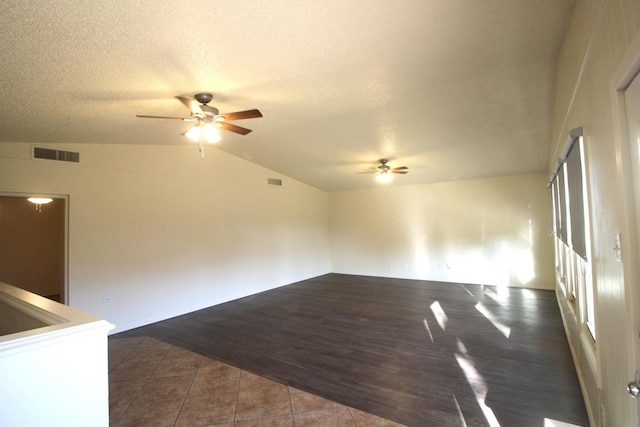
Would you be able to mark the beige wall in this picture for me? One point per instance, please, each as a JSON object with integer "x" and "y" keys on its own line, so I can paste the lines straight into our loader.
{"x": 601, "y": 50}
{"x": 32, "y": 245}
{"x": 490, "y": 231}
{"x": 161, "y": 231}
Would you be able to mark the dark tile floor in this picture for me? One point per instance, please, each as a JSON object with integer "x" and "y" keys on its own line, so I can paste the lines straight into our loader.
{"x": 153, "y": 383}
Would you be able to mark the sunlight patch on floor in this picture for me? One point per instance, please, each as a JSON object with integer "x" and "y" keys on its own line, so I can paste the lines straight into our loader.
{"x": 441, "y": 316}
{"x": 504, "y": 329}
{"x": 426, "y": 325}
{"x": 501, "y": 295}
{"x": 462, "y": 420}
{"x": 477, "y": 383}
{"x": 554, "y": 423}
{"x": 468, "y": 291}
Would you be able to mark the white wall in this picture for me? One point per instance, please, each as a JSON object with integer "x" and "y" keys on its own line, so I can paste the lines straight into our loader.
{"x": 601, "y": 47}
{"x": 161, "y": 231}
{"x": 490, "y": 231}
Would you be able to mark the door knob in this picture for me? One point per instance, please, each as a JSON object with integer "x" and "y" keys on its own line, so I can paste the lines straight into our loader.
{"x": 633, "y": 388}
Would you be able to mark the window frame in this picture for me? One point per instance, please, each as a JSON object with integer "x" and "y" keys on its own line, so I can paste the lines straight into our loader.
{"x": 573, "y": 255}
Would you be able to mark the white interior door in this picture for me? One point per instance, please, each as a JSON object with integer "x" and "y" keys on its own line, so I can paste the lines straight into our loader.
{"x": 632, "y": 104}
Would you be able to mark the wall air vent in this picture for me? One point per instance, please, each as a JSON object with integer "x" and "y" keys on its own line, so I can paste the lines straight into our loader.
{"x": 60, "y": 155}
{"x": 274, "y": 181}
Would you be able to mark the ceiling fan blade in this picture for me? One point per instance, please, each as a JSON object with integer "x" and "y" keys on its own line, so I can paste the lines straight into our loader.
{"x": 367, "y": 172}
{"x": 191, "y": 104}
{"x": 185, "y": 119}
{"x": 233, "y": 128}
{"x": 239, "y": 115}
{"x": 400, "y": 172}
{"x": 400, "y": 168}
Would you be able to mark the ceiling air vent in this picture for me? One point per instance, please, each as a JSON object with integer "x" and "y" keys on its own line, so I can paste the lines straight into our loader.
{"x": 274, "y": 181}
{"x": 60, "y": 155}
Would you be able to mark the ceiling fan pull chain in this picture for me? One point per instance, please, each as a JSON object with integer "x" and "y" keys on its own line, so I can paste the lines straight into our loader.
{"x": 201, "y": 142}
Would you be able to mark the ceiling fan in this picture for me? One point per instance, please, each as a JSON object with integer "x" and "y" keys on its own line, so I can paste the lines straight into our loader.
{"x": 384, "y": 172}
{"x": 208, "y": 118}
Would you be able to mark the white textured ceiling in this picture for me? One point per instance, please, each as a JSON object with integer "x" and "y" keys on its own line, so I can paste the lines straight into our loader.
{"x": 453, "y": 89}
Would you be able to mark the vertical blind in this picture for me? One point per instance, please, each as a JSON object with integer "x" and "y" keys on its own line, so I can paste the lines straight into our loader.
{"x": 562, "y": 205}
{"x": 576, "y": 199}
{"x": 566, "y": 186}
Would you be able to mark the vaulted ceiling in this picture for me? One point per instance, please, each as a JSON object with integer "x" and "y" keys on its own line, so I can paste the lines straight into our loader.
{"x": 453, "y": 89}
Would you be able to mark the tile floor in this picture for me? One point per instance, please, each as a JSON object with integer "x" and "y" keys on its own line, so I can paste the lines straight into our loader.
{"x": 153, "y": 383}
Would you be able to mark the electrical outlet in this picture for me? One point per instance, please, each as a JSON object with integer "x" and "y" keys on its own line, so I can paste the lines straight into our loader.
{"x": 107, "y": 300}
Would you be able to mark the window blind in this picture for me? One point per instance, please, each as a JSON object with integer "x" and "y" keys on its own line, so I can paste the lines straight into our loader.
{"x": 562, "y": 203}
{"x": 576, "y": 199}
{"x": 566, "y": 186}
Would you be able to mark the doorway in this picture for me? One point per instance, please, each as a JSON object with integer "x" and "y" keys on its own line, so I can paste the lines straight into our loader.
{"x": 33, "y": 241}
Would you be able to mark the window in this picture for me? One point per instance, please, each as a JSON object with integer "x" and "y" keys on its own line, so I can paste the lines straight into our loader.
{"x": 571, "y": 228}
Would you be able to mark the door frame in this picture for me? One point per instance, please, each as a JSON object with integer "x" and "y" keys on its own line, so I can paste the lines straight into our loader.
{"x": 64, "y": 296}
{"x": 626, "y": 72}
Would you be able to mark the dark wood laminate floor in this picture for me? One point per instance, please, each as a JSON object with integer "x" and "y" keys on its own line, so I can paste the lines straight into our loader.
{"x": 416, "y": 352}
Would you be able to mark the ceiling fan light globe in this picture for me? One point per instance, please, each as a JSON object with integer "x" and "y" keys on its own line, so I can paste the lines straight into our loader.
{"x": 384, "y": 177}
{"x": 193, "y": 133}
{"x": 40, "y": 200}
{"x": 210, "y": 133}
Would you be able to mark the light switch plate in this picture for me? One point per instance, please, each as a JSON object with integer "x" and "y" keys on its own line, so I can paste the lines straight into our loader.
{"x": 618, "y": 246}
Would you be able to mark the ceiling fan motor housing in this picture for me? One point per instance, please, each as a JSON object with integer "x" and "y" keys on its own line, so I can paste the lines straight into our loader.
{"x": 203, "y": 98}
